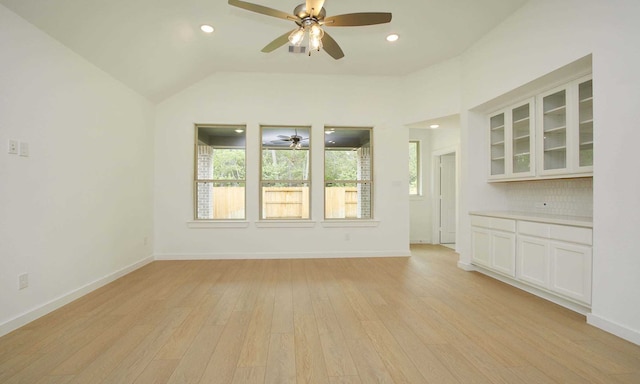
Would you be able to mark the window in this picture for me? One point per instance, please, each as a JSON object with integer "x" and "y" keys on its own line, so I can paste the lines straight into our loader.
{"x": 220, "y": 172}
{"x": 415, "y": 185}
{"x": 285, "y": 173}
{"x": 348, "y": 172}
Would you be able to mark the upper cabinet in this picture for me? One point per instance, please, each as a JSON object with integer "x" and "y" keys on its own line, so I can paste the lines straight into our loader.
{"x": 565, "y": 132}
{"x": 511, "y": 141}
{"x": 557, "y": 143}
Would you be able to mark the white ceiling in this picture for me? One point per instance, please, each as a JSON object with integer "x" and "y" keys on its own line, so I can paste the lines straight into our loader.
{"x": 156, "y": 47}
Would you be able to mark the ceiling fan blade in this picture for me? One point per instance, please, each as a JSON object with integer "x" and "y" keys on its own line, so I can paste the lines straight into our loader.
{"x": 357, "y": 19}
{"x": 277, "y": 42}
{"x": 331, "y": 47}
{"x": 263, "y": 10}
{"x": 284, "y": 137}
{"x": 316, "y": 5}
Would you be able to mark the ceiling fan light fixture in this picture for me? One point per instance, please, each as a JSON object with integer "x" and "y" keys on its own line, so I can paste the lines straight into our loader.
{"x": 315, "y": 43}
{"x": 297, "y": 36}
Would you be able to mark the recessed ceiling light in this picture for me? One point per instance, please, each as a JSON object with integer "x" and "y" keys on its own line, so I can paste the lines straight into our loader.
{"x": 239, "y": 130}
{"x": 434, "y": 126}
{"x": 393, "y": 37}
{"x": 206, "y": 28}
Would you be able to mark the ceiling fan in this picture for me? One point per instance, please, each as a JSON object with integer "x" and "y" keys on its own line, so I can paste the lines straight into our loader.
{"x": 310, "y": 17}
{"x": 295, "y": 140}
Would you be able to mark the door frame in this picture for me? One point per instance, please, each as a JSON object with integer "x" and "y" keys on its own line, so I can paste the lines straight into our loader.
{"x": 435, "y": 191}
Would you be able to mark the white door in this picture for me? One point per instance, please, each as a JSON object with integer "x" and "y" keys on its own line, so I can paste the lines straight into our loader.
{"x": 448, "y": 198}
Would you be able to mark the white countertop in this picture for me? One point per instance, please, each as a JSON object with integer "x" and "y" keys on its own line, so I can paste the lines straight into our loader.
{"x": 577, "y": 221}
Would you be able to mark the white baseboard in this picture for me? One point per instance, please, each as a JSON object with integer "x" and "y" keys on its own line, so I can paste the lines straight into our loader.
{"x": 279, "y": 255}
{"x": 569, "y": 304}
{"x": 466, "y": 266}
{"x": 58, "y": 302}
{"x": 614, "y": 328}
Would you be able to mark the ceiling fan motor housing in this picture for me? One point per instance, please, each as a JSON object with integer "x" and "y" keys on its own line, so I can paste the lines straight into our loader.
{"x": 302, "y": 12}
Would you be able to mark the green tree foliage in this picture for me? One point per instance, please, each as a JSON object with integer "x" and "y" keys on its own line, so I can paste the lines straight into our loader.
{"x": 228, "y": 164}
{"x": 413, "y": 167}
{"x": 340, "y": 164}
{"x": 285, "y": 164}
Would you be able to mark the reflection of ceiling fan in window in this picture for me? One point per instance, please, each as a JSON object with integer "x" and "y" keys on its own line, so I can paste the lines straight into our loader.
{"x": 295, "y": 140}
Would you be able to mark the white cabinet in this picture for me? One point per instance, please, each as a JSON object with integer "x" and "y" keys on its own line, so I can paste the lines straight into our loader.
{"x": 565, "y": 129}
{"x": 493, "y": 243}
{"x": 511, "y": 139}
{"x": 570, "y": 270}
{"x": 554, "y": 258}
{"x": 548, "y": 136}
{"x": 533, "y": 260}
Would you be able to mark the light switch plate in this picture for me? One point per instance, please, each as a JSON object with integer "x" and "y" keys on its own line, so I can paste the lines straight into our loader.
{"x": 24, "y": 149}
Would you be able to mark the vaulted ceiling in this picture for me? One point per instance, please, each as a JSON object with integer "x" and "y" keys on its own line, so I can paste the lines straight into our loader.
{"x": 156, "y": 47}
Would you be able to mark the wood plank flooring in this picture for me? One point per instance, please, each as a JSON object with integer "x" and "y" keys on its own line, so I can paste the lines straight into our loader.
{"x": 373, "y": 320}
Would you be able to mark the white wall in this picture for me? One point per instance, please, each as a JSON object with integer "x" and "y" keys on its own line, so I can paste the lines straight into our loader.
{"x": 540, "y": 37}
{"x": 75, "y": 213}
{"x": 254, "y": 99}
{"x": 432, "y": 93}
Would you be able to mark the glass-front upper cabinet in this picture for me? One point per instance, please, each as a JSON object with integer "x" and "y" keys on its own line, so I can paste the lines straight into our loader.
{"x": 496, "y": 126}
{"x": 522, "y": 128}
{"x": 554, "y": 130}
{"x": 511, "y": 133}
{"x": 565, "y": 136}
{"x": 585, "y": 125}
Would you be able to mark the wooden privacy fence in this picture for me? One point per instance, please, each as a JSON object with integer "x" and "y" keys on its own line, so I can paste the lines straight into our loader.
{"x": 341, "y": 202}
{"x": 286, "y": 202}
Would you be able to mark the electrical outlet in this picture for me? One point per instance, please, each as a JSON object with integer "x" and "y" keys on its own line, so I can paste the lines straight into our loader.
{"x": 13, "y": 147}
{"x": 23, "y": 281}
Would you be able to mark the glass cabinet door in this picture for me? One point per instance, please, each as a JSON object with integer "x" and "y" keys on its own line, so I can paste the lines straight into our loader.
{"x": 521, "y": 125}
{"x": 496, "y": 124}
{"x": 554, "y": 131}
{"x": 585, "y": 124}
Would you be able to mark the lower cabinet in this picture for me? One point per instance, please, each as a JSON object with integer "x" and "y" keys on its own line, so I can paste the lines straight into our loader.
{"x": 533, "y": 261}
{"x": 570, "y": 270}
{"x": 556, "y": 258}
{"x": 494, "y": 244}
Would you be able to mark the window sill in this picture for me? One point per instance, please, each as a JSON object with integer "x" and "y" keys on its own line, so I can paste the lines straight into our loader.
{"x": 217, "y": 224}
{"x": 285, "y": 224}
{"x": 349, "y": 223}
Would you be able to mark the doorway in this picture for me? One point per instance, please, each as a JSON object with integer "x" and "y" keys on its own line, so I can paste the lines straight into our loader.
{"x": 446, "y": 199}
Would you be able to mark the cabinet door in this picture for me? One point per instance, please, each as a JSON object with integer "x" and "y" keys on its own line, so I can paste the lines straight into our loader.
{"x": 498, "y": 147}
{"x": 584, "y": 134}
{"x": 522, "y": 142}
{"x": 571, "y": 270}
{"x": 533, "y": 260}
{"x": 481, "y": 246}
{"x": 503, "y": 252}
{"x": 553, "y": 121}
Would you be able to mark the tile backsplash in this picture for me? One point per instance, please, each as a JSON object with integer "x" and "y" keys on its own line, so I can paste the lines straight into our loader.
{"x": 573, "y": 197}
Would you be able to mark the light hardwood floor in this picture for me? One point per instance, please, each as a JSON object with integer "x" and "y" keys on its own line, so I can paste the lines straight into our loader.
{"x": 376, "y": 320}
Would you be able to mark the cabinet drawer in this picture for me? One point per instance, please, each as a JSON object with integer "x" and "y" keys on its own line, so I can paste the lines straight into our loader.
{"x": 572, "y": 234}
{"x": 534, "y": 229}
{"x": 481, "y": 221}
{"x": 503, "y": 224}
{"x": 506, "y": 225}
